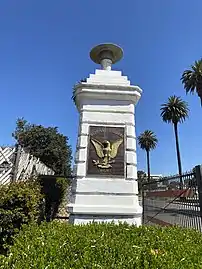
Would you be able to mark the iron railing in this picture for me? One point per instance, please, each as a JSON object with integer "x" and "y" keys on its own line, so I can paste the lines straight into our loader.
{"x": 173, "y": 201}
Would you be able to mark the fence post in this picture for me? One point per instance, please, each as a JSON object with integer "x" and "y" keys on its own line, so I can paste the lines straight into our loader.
{"x": 16, "y": 161}
{"x": 143, "y": 203}
{"x": 198, "y": 171}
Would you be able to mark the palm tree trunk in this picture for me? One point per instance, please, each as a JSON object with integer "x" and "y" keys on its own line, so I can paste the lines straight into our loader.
{"x": 148, "y": 166}
{"x": 199, "y": 91}
{"x": 178, "y": 153}
{"x": 200, "y": 99}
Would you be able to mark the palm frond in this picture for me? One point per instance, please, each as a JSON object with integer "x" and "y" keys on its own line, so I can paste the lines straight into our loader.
{"x": 175, "y": 110}
{"x": 147, "y": 140}
{"x": 192, "y": 78}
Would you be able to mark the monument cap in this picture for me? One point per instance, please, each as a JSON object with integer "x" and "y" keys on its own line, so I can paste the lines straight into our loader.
{"x": 106, "y": 55}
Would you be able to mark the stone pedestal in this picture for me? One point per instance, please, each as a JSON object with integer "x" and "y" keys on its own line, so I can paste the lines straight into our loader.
{"x": 106, "y": 105}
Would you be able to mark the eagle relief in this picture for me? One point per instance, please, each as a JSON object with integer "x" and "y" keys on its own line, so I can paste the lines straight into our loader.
{"x": 106, "y": 151}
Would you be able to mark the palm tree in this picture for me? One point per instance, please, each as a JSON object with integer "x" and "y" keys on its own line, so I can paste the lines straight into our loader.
{"x": 147, "y": 141}
{"x": 192, "y": 79}
{"x": 175, "y": 111}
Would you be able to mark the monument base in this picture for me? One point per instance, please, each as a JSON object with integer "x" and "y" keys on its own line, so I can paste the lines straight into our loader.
{"x": 84, "y": 219}
{"x": 104, "y": 200}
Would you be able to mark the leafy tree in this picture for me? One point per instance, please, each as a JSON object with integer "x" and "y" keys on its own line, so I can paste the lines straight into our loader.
{"x": 192, "y": 79}
{"x": 147, "y": 141}
{"x": 141, "y": 178}
{"x": 175, "y": 111}
{"x": 45, "y": 143}
{"x": 74, "y": 89}
{"x": 141, "y": 174}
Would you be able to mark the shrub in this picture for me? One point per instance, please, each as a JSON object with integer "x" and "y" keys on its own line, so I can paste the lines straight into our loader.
{"x": 59, "y": 245}
{"x": 54, "y": 189}
{"x": 19, "y": 204}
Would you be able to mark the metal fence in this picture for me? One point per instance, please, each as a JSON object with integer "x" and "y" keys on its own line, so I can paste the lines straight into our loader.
{"x": 174, "y": 201}
{"x": 62, "y": 212}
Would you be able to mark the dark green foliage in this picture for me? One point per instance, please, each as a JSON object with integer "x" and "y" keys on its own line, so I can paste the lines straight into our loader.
{"x": 141, "y": 178}
{"x": 192, "y": 79}
{"x": 47, "y": 144}
{"x": 19, "y": 204}
{"x": 74, "y": 89}
{"x": 147, "y": 141}
{"x": 74, "y": 95}
{"x": 59, "y": 246}
{"x": 141, "y": 175}
{"x": 175, "y": 110}
{"x": 54, "y": 190}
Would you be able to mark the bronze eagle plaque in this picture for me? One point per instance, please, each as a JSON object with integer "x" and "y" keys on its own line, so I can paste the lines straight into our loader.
{"x": 106, "y": 151}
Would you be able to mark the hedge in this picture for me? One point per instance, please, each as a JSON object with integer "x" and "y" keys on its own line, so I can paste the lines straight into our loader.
{"x": 57, "y": 245}
{"x": 54, "y": 189}
{"x": 19, "y": 204}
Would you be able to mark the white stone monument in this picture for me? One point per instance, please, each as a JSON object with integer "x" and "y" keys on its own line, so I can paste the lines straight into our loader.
{"x": 105, "y": 186}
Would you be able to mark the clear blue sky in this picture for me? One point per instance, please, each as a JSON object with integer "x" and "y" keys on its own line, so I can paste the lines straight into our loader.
{"x": 44, "y": 50}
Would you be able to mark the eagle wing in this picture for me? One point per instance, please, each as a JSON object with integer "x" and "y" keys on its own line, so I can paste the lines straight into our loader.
{"x": 98, "y": 147}
{"x": 115, "y": 147}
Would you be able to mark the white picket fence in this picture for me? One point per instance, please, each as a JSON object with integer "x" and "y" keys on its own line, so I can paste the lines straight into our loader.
{"x": 7, "y": 160}
{"x": 17, "y": 163}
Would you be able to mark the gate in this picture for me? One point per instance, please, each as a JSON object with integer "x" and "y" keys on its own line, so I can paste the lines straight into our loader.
{"x": 174, "y": 201}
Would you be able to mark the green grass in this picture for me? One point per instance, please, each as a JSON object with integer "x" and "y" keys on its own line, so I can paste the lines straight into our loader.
{"x": 61, "y": 246}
